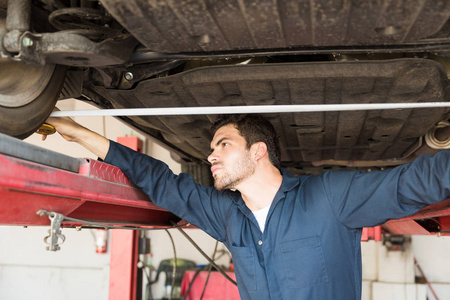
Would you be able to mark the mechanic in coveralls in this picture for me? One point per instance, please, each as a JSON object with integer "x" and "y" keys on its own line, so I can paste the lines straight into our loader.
{"x": 290, "y": 237}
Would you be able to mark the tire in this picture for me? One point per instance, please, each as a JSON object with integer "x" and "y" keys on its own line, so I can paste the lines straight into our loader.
{"x": 22, "y": 112}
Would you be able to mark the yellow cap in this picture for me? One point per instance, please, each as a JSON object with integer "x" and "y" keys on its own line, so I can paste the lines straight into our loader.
{"x": 46, "y": 129}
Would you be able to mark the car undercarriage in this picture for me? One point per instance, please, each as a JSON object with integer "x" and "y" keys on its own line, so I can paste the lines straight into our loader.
{"x": 166, "y": 53}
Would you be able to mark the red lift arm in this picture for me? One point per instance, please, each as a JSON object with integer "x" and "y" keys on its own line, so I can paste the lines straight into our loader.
{"x": 78, "y": 188}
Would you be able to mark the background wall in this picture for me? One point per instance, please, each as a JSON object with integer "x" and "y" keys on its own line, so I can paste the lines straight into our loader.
{"x": 391, "y": 275}
{"x": 28, "y": 271}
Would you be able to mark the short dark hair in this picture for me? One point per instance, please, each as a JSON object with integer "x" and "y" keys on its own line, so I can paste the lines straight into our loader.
{"x": 254, "y": 129}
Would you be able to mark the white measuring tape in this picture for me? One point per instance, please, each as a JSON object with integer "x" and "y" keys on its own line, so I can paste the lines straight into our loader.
{"x": 252, "y": 109}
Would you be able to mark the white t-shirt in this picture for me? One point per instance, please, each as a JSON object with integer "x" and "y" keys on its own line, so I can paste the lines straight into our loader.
{"x": 261, "y": 216}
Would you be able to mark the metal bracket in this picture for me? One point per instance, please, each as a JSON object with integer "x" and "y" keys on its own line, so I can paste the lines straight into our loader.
{"x": 54, "y": 231}
{"x": 22, "y": 46}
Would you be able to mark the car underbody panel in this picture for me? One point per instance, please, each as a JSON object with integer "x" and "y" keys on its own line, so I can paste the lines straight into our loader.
{"x": 306, "y": 138}
{"x": 171, "y": 26}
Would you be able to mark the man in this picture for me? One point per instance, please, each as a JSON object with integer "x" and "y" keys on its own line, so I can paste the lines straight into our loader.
{"x": 290, "y": 237}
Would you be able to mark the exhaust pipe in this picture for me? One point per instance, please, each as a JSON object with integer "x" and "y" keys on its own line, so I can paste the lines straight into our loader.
{"x": 439, "y": 137}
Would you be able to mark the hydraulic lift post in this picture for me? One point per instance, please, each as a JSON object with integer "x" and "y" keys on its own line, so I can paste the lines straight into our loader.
{"x": 125, "y": 279}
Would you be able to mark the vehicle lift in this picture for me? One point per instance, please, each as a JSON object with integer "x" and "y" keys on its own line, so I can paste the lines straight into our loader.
{"x": 39, "y": 187}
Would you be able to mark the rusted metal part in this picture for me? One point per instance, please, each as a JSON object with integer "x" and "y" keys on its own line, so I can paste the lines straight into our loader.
{"x": 66, "y": 48}
{"x": 91, "y": 45}
{"x": 76, "y": 50}
{"x": 17, "y": 21}
{"x": 18, "y": 15}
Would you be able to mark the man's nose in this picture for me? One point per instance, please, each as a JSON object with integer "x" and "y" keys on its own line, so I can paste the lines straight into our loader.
{"x": 212, "y": 157}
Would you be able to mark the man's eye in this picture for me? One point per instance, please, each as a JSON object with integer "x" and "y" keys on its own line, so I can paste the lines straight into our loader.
{"x": 225, "y": 144}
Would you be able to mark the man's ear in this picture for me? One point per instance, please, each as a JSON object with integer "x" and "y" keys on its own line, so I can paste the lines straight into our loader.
{"x": 260, "y": 150}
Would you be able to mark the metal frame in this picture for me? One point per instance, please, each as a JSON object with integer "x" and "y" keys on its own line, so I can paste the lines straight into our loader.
{"x": 99, "y": 193}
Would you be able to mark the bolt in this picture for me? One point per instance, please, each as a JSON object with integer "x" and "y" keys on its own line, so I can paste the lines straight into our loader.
{"x": 27, "y": 42}
{"x": 204, "y": 39}
{"x": 129, "y": 76}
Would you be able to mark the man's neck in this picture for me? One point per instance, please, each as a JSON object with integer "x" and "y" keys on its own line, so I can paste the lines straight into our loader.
{"x": 259, "y": 190}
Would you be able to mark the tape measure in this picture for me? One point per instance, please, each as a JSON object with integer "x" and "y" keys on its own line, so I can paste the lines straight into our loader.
{"x": 46, "y": 129}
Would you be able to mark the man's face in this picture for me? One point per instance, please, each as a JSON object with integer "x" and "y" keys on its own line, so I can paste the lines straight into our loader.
{"x": 230, "y": 159}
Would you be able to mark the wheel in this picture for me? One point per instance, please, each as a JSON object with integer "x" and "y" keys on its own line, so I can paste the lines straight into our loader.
{"x": 28, "y": 95}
